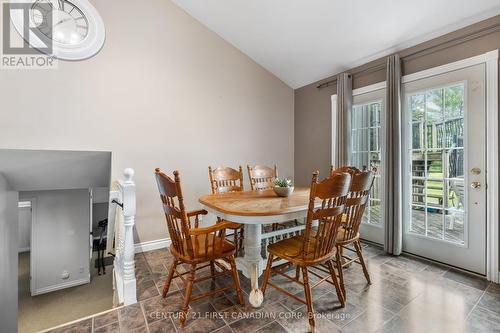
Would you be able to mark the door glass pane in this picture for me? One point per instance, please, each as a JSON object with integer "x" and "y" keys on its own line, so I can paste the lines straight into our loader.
{"x": 455, "y": 163}
{"x": 360, "y": 141}
{"x": 374, "y": 140}
{"x": 418, "y": 191}
{"x": 434, "y": 163}
{"x": 366, "y": 152}
{"x": 454, "y": 114}
{"x": 417, "y": 107}
{"x": 437, "y": 163}
{"x": 455, "y": 210}
{"x": 418, "y": 222}
{"x": 455, "y": 221}
{"x": 435, "y": 193}
{"x": 454, "y": 102}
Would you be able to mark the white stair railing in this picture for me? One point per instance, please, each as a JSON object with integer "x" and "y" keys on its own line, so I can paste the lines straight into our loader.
{"x": 121, "y": 220}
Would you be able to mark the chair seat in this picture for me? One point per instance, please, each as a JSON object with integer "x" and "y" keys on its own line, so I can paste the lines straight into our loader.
{"x": 201, "y": 250}
{"x": 291, "y": 250}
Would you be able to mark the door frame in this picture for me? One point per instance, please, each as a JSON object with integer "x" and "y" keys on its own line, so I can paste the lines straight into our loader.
{"x": 490, "y": 59}
{"x": 26, "y": 249}
{"x": 32, "y": 244}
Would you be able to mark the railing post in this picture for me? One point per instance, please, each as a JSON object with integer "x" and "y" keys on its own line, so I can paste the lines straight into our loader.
{"x": 129, "y": 208}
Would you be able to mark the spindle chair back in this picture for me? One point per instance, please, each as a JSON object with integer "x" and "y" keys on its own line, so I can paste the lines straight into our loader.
{"x": 356, "y": 203}
{"x": 226, "y": 179}
{"x": 262, "y": 177}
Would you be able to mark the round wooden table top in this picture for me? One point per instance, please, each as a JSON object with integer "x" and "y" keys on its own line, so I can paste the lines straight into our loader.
{"x": 257, "y": 203}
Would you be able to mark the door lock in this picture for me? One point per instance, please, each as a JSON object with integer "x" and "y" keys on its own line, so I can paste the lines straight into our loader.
{"x": 475, "y": 185}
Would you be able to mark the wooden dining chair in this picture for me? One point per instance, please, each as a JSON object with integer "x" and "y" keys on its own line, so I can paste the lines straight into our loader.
{"x": 223, "y": 180}
{"x": 316, "y": 245}
{"x": 199, "y": 247}
{"x": 262, "y": 177}
{"x": 359, "y": 194}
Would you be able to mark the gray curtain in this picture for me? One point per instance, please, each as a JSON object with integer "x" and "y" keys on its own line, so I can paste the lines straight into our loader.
{"x": 393, "y": 180}
{"x": 343, "y": 130}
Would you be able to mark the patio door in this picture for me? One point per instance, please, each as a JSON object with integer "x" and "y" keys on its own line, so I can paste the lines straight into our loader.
{"x": 444, "y": 160}
{"x": 367, "y": 151}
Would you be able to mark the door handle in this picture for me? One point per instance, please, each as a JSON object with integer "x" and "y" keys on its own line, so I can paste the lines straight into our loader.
{"x": 475, "y": 185}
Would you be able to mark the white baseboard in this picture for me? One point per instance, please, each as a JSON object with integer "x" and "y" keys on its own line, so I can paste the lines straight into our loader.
{"x": 60, "y": 286}
{"x": 24, "y": 249}
{"x": 152, "y": 245}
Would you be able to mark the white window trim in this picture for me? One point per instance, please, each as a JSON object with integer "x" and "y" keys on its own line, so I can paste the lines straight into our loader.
{"x": 369, "y": 89}
{"x": 492, "y": 188}
{"x": 492, "y": 212}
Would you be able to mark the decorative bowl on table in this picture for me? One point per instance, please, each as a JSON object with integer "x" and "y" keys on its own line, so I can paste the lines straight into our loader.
{"x": 283, "y": 187}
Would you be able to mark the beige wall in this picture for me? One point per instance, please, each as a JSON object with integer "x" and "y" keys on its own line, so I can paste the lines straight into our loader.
{"x": 313, "y": 105}
{"x": 164, "y": 92}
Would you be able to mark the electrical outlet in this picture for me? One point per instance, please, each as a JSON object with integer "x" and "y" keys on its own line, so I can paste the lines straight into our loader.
{"x": 65, "y": 275}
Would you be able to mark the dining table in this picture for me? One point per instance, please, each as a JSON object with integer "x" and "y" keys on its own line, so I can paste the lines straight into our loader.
{"x": 254, "y": 209}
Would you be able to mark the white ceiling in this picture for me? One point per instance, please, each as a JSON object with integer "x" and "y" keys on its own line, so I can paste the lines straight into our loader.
{"x": 34, "y": 170}
{"x": 302, "y": 41}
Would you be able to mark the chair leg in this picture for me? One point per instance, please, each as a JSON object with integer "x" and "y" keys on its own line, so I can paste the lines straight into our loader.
{"x": 338, "y": 288}
{"x": 236, "y": 280}
{"x": 242, "y": 236}
{"x": 357, "y": 246}
{"x": 267, "y": 273}
{"x": 341, "y": 250}
{"x": 169, "y": 279}
{"x": 212, "y": 270}
{"x": 297, "y": 272}
{"x": 339, "y": 268}
{"x": 236, "y": 245}
{"x": 307, "y": 290}
{"x": 187, "y": 294}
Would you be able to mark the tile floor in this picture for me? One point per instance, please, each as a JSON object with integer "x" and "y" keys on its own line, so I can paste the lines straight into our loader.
{"x": 406, "y": 295}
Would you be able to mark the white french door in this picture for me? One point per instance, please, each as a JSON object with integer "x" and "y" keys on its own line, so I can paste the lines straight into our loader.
{"x": 444, "y": 168}
{"x": 367, "y": 151}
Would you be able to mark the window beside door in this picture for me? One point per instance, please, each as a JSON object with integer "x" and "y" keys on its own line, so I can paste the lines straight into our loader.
{"x": 366, "y": 152}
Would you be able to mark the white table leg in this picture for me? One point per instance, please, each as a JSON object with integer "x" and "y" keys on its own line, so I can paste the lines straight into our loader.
{"x": 252, "y": 263}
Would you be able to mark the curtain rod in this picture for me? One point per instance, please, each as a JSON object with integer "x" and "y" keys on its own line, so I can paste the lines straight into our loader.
{"x": 367, "y": 70}
{"x": 428, "y": 50}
